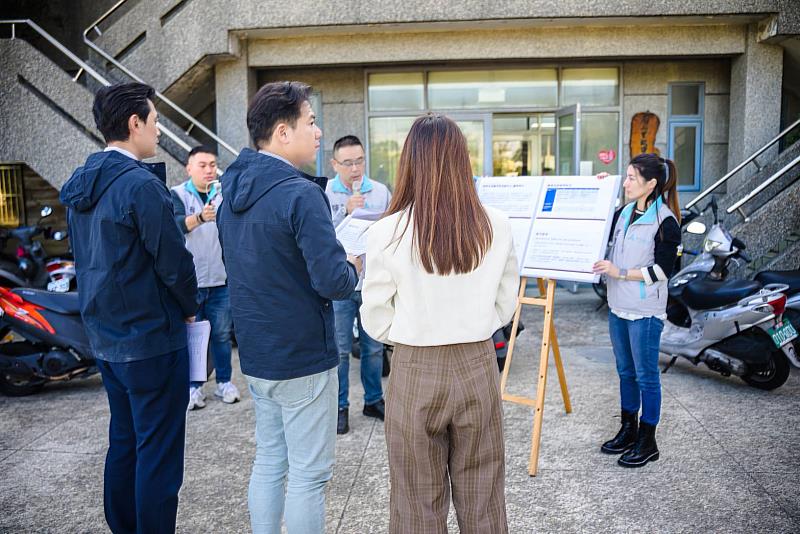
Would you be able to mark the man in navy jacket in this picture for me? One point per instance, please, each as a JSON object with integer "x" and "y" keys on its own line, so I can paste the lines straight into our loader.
{"x": 284, "y": 267}
{"x": 137, "y": 289}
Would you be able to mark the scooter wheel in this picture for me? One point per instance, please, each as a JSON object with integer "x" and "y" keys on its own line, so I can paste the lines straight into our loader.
{"x": 773, "y": 376}
{"x": 12, "y": 386}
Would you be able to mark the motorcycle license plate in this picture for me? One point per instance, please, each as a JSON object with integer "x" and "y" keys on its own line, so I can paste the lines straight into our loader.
{"x": 783, "y": 333}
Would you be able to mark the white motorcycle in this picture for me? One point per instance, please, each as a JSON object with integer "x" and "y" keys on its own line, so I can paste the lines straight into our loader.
{"x": 733, "y": 326}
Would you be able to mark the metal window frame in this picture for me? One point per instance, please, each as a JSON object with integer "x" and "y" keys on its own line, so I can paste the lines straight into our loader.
{"x": 457, "y": 114}
{"x": 697, "y": 121}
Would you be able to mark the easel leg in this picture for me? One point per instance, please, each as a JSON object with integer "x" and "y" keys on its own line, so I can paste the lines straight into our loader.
{"x": 562, "y": 378}
{"x": 547, "y": 331}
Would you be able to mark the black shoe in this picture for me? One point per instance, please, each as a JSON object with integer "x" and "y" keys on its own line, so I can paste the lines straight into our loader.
{"x": 375, "y": 410}
{"x": 343, "y": 424}
{"x": 626, "y": 437}
{"x": 645, "y": 450}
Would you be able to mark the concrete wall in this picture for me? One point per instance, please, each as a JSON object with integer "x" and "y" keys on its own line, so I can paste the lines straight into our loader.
{"x": 201, "y": 28}
{"x": 645, "y": 88}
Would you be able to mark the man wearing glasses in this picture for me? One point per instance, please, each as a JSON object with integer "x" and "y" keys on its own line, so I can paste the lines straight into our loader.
{"x": 351, "y": 189}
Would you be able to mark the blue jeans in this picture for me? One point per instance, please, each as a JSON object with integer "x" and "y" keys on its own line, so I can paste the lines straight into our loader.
{"x": 146, "y": 435}
{"x": 635, "y": 346}
{"x": 295, "y": 437}
{"x": 346, "y": 311}
{"x": 215, "y": 305}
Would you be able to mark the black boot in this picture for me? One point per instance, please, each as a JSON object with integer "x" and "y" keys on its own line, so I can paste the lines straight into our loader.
{"x": 626, "y": 436}
{"x": 645, "y": 449}
{"x": 343, "y": 424}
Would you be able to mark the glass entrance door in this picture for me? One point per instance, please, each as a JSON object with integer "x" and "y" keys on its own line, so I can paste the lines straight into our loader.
{"x": 523, "y": 144}
{"x": 477, "y": 129}
{"x": 568, "y": 140}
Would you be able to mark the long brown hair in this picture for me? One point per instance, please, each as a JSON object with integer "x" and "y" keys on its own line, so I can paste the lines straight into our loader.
{"x": 452, "y": 232}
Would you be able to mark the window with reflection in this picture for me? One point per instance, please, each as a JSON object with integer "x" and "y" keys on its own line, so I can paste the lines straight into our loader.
{"x": 476, "y": 89}
{"x": 594, "y": 86}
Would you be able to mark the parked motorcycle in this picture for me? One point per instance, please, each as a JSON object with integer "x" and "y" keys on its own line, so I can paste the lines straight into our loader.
{"x": 49, "y": 341}
{"x": 733, "y": 326}
{"x": 31, "y": 267}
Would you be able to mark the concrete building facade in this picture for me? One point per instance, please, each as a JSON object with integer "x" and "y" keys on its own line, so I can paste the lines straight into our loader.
{"x": 541, "y": 87}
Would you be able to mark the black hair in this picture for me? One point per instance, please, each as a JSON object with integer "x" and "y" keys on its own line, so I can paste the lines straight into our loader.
{"x": 663, "y": 171}
{"x": 275, "y": 103}
{"x": 347, "y": 140}
{"x": 114, "y": 105}
{"x": 201, "y": 149}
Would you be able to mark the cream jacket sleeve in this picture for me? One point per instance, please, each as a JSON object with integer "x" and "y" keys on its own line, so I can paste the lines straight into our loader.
{"x": 377, "y": 308}
{"x": 506, "y": 302}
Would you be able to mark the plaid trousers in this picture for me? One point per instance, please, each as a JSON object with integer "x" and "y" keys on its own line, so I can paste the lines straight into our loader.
{"x": 444, "y": 430}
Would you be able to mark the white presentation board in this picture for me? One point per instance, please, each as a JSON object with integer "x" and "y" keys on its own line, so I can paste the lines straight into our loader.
{"x": 568, "y": 221}
{"x": 516, "y": 196}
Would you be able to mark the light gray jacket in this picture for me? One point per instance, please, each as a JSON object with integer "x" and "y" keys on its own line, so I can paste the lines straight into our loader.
{"x": 203, "y": 241}
{"x": 633, "y": 247}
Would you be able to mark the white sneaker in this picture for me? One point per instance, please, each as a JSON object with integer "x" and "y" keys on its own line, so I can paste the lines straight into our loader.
{"x": 196, "y": 399}
{"x": 227, "y": 392}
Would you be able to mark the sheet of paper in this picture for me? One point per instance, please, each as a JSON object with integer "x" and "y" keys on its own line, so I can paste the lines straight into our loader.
{"x": 517, "y": 197}
{"x": 351, "y": 233}
{"x": 564, "y": 249}
{"x": 570, "y": 227}
{"x": 198, "y": 334}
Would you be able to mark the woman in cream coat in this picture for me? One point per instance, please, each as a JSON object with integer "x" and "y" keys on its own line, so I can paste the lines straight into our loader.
{"x": 441, "y": 277}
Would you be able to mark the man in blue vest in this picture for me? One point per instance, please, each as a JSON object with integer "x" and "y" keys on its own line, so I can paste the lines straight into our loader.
{"x": 137, "y": 290}
{"x": 350, "y": 190}
{"x": 195, "y": 203}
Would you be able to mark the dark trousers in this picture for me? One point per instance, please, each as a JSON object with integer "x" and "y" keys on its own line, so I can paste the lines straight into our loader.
{"x": 144, "y": 464}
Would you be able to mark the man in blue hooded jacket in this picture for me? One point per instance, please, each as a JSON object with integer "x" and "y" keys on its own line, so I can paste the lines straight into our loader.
{"x": 137, "y": 288}
{"x": 284, "y": 267}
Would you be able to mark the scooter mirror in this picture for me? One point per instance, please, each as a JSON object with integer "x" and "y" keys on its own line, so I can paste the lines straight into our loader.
{"x": 46, "y": 211}
{"x": 696, "y": 227}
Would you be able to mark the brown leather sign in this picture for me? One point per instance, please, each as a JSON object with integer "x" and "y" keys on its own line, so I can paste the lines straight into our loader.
{"x": 644, "y": 126}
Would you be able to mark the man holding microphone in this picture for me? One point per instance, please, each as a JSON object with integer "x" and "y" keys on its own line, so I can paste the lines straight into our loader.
{"x": 195, "y": 205}
{"x": 350, "y": 190}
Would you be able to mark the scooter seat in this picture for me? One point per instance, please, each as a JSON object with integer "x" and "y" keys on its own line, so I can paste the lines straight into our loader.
{"x": 66, "y": 303}
{"x": 790, "y": 278}
{"x": 707, "y": 294}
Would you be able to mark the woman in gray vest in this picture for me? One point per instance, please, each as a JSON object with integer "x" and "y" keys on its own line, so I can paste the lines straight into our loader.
{"x": 645, "y": 237}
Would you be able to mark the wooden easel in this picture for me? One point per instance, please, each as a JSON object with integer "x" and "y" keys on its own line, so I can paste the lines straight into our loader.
{"x": 549, "y": 340}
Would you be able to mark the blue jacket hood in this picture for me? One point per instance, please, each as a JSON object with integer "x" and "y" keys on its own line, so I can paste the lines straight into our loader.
{"x": 88, "y": 183}
{"x": 253, "y": 175}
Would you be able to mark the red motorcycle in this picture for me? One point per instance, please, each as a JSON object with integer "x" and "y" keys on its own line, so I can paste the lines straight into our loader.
{"x": 43, "y": 340}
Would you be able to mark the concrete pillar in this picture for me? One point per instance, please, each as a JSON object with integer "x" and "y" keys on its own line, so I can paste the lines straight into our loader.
{"x": 755, "y": 108}
{"x": 234, "y": 84}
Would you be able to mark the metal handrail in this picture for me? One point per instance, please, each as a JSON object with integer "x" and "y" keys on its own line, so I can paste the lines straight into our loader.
{"x": 741, "y": 166}
{"x": 84, "y": 67}
{"x": 766, "y": 183}
{"x": 167, "y": 101}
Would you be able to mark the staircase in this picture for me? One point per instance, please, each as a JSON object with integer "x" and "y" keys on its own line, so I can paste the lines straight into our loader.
{"x": 39, "y": 100}
{"x": 769, "y": 223}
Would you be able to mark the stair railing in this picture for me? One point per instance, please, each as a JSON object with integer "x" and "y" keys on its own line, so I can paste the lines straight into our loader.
{"x": 82, "y": 65}
{"x": 195, "y": 123}
{"x": 766, "y": 183}
{"x": 751, "y": 159}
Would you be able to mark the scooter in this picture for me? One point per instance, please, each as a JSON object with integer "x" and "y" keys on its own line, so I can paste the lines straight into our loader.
{"x": 48, "y": 340}
{"x": 31, "y": 267}
{"x": 733, "y": 326}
